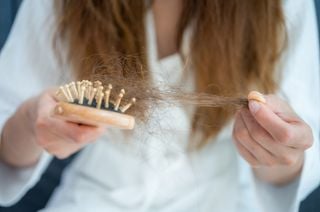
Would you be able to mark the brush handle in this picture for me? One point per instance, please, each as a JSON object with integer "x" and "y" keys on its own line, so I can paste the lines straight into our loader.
{"x": 92, "y": 116}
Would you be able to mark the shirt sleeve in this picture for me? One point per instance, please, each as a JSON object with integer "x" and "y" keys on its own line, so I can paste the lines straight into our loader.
{"x": 300, "y": 87}
{"x": 27, "y": 67}
{"x": 15, "y": 183}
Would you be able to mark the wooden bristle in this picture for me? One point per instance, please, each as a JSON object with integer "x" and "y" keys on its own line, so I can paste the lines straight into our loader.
{"x": 84, "y": 85}
{"x": 107, "y": 96}
{"x": 79, "y": 89}
{"x": 74, "y": 90}
{"x": 118, "y": 101}
{"x": 65, "y": 94}
{"x": 99, "y": 100}
{"x": 127, "y": 106}
{"x": 67, "y": 87}
{"x": 97, "y": 84}
{"x": 92, "y": 95}
{"x": 57, "y": 93}
{"x": 99, "y": 91}
{"x": 82, "y": 95}
{"x": 88, "y": 89}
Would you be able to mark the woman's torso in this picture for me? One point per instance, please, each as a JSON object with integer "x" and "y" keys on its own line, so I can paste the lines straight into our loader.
{"x": 152, "y": 170}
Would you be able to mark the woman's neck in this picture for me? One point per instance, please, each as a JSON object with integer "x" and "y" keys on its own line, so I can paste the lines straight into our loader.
{"x": 166, "y": 18}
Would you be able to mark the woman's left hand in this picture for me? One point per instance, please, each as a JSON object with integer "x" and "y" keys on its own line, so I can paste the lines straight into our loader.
{"x": 272, "y": 138}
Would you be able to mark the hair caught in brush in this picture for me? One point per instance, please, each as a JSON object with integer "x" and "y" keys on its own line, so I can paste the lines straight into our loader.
{"x": 151, "y": 95}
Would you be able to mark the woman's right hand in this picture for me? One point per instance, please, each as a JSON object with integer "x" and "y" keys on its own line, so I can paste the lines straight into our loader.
{"x": 59, "y": 137}
{"x": 32, "y": 129}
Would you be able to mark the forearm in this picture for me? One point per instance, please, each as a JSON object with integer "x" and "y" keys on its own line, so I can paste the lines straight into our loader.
{"x": 279, "y": 175}
{"x": 18, "y": 145}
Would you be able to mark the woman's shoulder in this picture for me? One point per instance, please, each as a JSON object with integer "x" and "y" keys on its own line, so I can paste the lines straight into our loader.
{"x": 28, "y": 58}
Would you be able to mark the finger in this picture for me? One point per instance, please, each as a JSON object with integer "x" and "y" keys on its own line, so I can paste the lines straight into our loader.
{"x": 289, "y": 134}
{"x": 279, "y": 119}
{"x": 63, "y": 150}
{"x": 72, "y": 131}
{"x": 276, "y": 104}
{"x": 61, "y": 147}
{"x": 300, "y": 132}
{"x": 47, "y": 103}
{"x": 46, "y": 138}
{"x": 246, "y": 154}
{"x": 261, "y": 136}
{"x": 262, "y": 155}
{"x": 241, "y": 149}
{"x": 283, "y": 154}
{"x": 272, "y": 123}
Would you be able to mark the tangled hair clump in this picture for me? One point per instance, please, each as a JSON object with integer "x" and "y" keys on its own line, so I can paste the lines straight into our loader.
{"x": 150, "y": 95}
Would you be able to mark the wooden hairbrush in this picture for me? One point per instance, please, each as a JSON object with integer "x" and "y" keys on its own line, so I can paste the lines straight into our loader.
{"x": 89, "y": 103}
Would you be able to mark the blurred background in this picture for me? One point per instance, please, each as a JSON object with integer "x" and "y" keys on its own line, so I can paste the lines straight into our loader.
{"x": 38, "y": 197}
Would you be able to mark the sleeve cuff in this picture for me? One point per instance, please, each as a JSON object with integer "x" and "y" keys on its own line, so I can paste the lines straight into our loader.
{"x": 310, "y": 176}
{"x": 277, "y": 198}
{"x": 14, "y": 183}
{"x": 288, "y": 198}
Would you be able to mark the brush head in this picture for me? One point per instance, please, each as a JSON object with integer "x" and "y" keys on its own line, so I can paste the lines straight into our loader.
{"x": 91, "y": 103}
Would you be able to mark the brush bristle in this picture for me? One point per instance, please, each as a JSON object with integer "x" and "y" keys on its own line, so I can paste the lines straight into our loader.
{"x": 94, "y": 94}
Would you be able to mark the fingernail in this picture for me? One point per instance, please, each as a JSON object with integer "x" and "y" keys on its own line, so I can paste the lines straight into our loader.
{"x": 255, "y": 95}
{"x": 254, "y": 106}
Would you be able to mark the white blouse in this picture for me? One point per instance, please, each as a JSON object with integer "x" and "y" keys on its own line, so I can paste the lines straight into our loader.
{"x": 150, "y": 170}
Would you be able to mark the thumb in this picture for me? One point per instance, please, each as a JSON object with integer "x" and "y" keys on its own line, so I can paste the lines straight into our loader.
{"x": 265, "y": 110}
{"x": 275, "y": 103}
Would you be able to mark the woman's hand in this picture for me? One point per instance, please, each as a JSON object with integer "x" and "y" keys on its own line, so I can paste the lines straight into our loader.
{"x": 59, "y": 137}
{"x": 272, "y": 139}
{"x": 32, "y": 129}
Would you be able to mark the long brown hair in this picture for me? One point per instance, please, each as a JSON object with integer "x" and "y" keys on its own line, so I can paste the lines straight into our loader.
{"x": 234, "y": 47}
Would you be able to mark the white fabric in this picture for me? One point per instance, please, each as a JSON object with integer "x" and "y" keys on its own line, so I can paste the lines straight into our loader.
{"x": 24, "y": 72}
{"x": 150, "y": 170}
{"x": 14, "y": 183}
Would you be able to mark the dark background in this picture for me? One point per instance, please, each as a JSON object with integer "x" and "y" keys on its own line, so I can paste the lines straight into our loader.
{"x": 37, "y": 197}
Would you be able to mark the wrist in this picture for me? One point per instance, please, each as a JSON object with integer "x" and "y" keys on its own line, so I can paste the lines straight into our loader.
{"x": 18, "y": 144}
{"x": 28, "y": 115}
{"x": 280, "y": 175}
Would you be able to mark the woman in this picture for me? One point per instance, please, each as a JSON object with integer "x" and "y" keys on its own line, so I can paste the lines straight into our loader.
{"x": 233, "y": 48}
